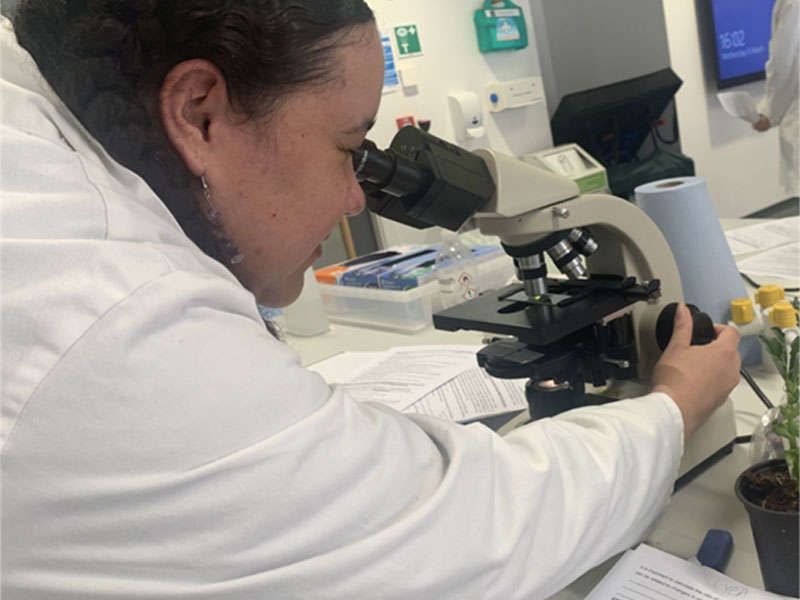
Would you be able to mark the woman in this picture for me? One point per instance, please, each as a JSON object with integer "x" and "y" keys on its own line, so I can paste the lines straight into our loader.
{"x": 157, "y": 441}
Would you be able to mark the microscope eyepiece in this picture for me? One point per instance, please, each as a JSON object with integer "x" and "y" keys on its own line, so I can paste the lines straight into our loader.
{"x": 421, "y": 180}
{"x": 394, "y": 174}
{"x": 360, "y": 156}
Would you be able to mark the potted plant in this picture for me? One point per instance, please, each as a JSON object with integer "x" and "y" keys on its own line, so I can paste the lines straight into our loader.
{"x": 769, "y": 489}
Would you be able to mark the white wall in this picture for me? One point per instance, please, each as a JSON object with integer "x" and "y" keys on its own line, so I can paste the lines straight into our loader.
{"x": 583, "y": 44}
{"x": 740, "y": 165}
{"x": 451, "y": 62}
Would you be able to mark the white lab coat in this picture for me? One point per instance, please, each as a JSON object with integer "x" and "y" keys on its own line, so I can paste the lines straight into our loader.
{"x": 158, "y": 443}
{"x": 782, "y": 89}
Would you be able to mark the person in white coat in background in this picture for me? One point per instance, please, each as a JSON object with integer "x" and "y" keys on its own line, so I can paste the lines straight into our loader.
{"x": 166, "y": 165}
{"x": 781, "y": 102}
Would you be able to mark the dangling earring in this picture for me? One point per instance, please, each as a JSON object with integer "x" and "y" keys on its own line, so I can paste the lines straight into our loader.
{"x": 214, "y": 217}
{"x": 212, "y": 214}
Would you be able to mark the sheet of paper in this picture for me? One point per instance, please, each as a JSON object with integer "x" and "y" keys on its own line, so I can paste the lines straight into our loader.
{"x": 739, "y": 104}
{"x": 647, "y": 573}
{"x": 343, "y": 367}
{"x": 402, "y": 376}
{"x": 440, "y": 381}
{"x": 783, "y": 261}
{"x": 473, "y": 395}
{"x": 763, "y": 236}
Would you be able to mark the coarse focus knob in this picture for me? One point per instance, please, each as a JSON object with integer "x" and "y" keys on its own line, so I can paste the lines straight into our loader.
{"x": 702, "y": 326}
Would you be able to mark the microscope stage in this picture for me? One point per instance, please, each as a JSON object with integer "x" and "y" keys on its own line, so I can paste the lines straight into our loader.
{"x": 509, "y": 311}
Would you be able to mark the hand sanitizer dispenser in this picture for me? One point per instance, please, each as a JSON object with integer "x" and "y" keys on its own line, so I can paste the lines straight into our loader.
{"x": 465, "y": 109}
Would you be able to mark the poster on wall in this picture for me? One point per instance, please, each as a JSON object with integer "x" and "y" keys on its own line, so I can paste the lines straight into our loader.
{"x": 391, "y": 79}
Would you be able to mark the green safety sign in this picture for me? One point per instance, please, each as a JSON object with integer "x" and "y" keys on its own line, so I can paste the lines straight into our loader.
{"x": 407, "y": 38}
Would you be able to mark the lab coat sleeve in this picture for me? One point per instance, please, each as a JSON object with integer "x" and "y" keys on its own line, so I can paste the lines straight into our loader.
{"x": 781, "y": 85}
{"x": 178, "y": 451}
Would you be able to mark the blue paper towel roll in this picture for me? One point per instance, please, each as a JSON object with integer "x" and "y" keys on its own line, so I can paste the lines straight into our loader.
{"x": 683, "y": 211}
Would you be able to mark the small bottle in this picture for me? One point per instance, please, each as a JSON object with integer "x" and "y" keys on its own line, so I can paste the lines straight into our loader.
{"x": 750, "y": 325}
{"x": 784, "y": 316}
{"x": 456, "y": 271}
{"x": 769, "y": 297}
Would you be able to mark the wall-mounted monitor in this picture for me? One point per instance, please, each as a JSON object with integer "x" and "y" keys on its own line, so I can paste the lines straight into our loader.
{"x": 741, "y": 31}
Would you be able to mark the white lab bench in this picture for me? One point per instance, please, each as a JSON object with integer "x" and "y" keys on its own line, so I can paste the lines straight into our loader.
{"x": 707, "y": 502}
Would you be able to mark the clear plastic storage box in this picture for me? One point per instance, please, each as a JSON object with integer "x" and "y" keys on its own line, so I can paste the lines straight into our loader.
{"x": 408, "y": 310}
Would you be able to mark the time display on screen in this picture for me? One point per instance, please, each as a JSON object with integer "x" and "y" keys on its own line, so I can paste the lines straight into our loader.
{"x": 732, "y": 39}
{"x": 742, "y": 31}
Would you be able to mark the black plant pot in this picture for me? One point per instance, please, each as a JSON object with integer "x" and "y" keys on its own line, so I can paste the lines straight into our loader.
{"x": 775, "y": 534}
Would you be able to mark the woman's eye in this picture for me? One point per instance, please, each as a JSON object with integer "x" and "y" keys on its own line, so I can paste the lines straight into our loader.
{"x": 350, "y": 153}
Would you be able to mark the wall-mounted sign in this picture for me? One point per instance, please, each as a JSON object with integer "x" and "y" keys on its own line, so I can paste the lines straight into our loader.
{"x": 391, "y": 81}
{"x": 407, "y": 38}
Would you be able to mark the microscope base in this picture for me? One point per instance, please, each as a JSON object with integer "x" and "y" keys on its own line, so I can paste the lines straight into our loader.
{"x": 700, "y": 468}
{"x": 712, "y": 441}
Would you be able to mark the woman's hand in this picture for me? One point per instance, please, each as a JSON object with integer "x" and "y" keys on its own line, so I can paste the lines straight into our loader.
{"x": 762, "y": 124}
{"x": 697, "y": 378}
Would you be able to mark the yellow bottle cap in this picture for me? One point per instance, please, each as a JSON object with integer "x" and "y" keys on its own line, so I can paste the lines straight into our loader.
{"x": 742, "y": 311}
{"x": 767, "y": 295}
{"x": 783, "y": 315}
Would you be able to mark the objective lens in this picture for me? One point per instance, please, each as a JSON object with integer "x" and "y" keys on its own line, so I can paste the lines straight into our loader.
{"x": 582, "y": 241}
{"x": 532, "y": 272}
{"x": 566, "y": 259}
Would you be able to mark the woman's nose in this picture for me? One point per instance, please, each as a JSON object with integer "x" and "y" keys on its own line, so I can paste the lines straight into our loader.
{"x": 356, "y": 202}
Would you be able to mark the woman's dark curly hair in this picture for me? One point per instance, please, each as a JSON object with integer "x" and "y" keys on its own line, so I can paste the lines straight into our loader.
{"x": 106, "y": 59}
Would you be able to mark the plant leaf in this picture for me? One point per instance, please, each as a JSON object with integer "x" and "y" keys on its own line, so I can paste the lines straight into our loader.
{"x": 794, "y": 361}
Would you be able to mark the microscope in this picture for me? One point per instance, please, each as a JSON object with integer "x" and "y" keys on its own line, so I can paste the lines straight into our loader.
{"x": 602, "y": 323}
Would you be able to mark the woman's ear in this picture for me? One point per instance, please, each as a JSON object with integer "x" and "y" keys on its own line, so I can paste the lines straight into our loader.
{"x": 192, "y": 101}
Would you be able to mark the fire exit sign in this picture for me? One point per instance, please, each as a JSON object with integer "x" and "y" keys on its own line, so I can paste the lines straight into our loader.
{"x": 407, "y": 38}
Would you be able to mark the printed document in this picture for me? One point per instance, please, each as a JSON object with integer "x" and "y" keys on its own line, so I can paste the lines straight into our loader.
{"x": 441, "y": 381}
{"x": 783, "y": 262}
{"x": 474, "y": 394}
{"x": 647, "y": 574}
{"x": 763, "y": 236}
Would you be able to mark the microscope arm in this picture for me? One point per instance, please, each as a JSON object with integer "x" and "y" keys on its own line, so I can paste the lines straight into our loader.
{"x": 529, "y": 203}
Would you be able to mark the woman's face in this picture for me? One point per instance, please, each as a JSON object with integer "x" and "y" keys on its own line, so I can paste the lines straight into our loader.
{"x": 281, "y": 186}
